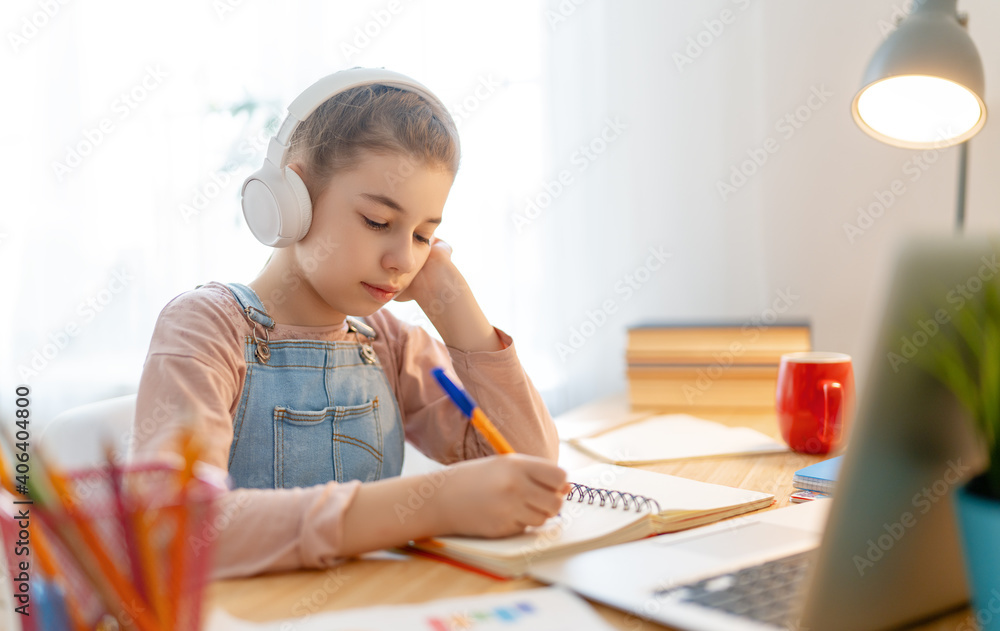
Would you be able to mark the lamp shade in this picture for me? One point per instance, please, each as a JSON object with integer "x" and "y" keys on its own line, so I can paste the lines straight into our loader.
{"x": 924, "y": 86}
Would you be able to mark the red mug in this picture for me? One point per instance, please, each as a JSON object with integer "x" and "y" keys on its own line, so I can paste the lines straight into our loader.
{"x": 815, "y": 400}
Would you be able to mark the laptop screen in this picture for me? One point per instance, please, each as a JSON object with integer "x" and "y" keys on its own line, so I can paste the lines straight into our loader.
{"x": 890, "y": 551}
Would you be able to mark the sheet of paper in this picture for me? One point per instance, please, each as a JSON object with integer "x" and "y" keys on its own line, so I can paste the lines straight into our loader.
{"x": 676, "y": 436}
{"x": 542, "y": 609}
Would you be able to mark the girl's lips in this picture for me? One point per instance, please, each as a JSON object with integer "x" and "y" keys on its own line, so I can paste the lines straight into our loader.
{"x": 379, "y": 293}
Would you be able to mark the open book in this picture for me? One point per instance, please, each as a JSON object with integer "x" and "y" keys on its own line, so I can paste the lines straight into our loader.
{"x": 607, "y": 505}
{"x": 673, "y": 437}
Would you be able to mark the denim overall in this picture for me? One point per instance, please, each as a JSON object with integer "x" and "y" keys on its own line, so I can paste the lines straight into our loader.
{"x": 312, "y": 411}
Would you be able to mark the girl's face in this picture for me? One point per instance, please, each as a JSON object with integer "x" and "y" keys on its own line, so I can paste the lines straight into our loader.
{"x": 370, "y": 234}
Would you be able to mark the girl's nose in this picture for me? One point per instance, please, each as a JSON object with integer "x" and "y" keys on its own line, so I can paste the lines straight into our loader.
{"x": 400, "y": 257}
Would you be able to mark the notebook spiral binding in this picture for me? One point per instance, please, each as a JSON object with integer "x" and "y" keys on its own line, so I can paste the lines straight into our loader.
{"x": 583, "y": 493}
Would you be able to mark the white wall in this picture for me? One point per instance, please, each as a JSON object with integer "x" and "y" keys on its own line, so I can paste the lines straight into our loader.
{"x": 692, "y": 118}
{"x": 567, "y": 72}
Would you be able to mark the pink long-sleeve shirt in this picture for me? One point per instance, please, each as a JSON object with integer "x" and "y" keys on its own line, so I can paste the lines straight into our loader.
{"x": 194, "y": 373}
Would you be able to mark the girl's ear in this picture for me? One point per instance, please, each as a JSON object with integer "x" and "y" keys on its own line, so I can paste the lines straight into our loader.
{"x": 304, "y": 175}
{"x": 299, "y": 171}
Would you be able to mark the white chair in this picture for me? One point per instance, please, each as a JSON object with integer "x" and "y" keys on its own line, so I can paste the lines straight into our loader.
{"x": 76, "y": 438}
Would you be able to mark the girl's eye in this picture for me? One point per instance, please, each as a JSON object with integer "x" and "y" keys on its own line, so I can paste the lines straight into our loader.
{"x": 374, "y": 225}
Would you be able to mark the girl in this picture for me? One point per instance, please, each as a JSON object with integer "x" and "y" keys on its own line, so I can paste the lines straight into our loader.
{"x": 307, "y": 407}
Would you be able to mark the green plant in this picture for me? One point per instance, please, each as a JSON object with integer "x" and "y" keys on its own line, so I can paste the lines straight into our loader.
{"x": 965, "y": 357}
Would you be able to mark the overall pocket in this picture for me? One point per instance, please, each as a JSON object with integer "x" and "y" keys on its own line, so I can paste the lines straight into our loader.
{"x": 336, "y": 443}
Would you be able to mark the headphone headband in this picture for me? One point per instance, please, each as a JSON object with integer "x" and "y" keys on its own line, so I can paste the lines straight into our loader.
{"x": 275, "y": 201}
{"x": 330, "y": 85}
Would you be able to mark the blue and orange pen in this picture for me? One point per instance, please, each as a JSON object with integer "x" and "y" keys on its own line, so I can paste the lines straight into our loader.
{"x": 474, "y": 413}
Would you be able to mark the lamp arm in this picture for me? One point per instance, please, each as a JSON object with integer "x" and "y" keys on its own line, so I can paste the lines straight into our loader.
{"x": 963, "y": 160}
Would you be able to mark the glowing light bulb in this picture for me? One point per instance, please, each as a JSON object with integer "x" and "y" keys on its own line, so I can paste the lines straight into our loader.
{"x": 920, "y": 110}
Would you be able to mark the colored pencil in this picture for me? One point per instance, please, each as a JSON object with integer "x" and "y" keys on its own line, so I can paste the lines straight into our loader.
{"x": 473, "y": 412}
{"x": 42, "y": 548}
{"x": 5, "y": 479}
{"x": 128, "y": 598}
{"x": 122, "y": 512}
{"x": 178, "y": 559}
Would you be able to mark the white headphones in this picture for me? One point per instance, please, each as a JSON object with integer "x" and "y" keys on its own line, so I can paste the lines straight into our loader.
{"x": 276, "y": 203}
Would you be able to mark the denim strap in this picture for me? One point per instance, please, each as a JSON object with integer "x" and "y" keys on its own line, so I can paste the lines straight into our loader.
{"x": 251, "y": 304}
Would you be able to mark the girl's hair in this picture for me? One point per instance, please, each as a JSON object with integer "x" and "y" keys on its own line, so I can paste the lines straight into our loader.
{"x": 376, "y": 118}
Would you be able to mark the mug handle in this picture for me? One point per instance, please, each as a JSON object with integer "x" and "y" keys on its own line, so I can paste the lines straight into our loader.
{"x": 833, "y": 399}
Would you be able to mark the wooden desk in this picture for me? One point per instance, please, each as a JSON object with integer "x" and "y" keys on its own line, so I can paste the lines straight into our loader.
{"x": 392, "y": 578}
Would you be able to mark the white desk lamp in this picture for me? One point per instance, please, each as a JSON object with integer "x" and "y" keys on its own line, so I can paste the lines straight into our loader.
{"x": 924, "y": 86}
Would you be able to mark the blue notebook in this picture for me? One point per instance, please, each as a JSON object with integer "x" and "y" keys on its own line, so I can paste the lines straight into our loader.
{"x": 821, "y": 476}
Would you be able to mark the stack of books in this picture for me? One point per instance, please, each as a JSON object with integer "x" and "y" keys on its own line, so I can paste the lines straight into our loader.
{"x": 816, "y": 481}
{"x": 707, "y": 367}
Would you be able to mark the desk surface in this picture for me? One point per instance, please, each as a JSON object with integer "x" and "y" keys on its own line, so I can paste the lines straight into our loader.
{"x": 393, "y": 578}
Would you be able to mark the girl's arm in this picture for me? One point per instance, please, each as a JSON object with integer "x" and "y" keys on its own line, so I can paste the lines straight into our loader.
{"x": 483, "y": 360}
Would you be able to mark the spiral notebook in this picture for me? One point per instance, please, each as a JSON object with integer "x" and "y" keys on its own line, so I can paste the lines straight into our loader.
{"x": 607, "y": 505}
{"x": 821, "y": 476}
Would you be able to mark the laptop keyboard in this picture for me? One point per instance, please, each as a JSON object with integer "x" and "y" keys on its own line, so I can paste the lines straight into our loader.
{"x": 765, "y": 592}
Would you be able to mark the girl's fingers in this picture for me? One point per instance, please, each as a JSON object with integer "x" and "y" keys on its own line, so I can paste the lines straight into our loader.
{"x": 547, "y": 476}
{"x": 546, "y": 506}
{"x": 444, "y": 245}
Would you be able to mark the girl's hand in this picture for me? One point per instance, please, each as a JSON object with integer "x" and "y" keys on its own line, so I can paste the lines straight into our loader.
{"x": 434, "y": 277}
{"x": 500, "y": 495}
{"x": 486, "y": 497}
{"x": 445, "y": 297}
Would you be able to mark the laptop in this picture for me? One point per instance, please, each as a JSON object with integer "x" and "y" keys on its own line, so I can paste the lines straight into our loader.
{"x": 883, "y": 551}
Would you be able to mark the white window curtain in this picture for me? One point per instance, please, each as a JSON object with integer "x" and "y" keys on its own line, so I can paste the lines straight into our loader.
{"x": 586, "y": 200}
{"x": 130, "y": 127}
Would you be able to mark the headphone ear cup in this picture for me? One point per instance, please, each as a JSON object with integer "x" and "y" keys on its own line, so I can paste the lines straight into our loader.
{"x": 276, "y": 206}
{"x": 301, "y": 214}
